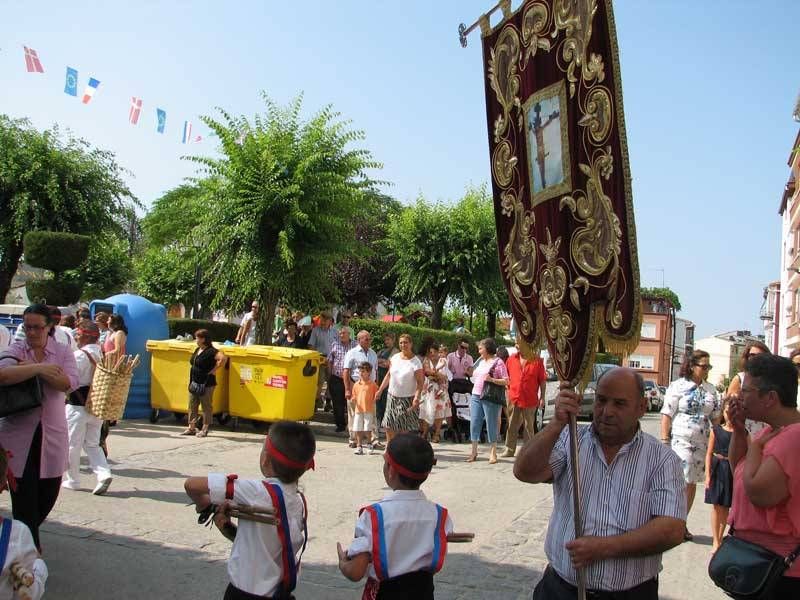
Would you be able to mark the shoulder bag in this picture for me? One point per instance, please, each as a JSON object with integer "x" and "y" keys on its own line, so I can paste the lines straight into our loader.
{"x": 20, "y": 397}
{"x": 198, "y": 389}
{"x": 492, "y": 392}
{"x": 747, "y": 571}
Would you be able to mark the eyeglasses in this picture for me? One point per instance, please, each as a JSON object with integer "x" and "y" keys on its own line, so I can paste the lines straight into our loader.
{"x": 34, "y": 327}
{"x": 704, "y": 367}
{"x": 465, "y": 347}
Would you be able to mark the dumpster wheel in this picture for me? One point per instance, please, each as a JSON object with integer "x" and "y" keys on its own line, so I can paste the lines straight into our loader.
{"x": 154, "y": 414}
{"x": 222, "y": 418}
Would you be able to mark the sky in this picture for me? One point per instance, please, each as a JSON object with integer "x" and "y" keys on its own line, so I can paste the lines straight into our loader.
{"x": 709, "y": 89}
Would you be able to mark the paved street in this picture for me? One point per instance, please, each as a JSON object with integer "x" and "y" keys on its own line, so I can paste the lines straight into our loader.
{"x": 141, "y": 541}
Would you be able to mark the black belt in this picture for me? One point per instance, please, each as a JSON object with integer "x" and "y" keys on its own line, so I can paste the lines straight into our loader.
{"x": 605, "y": 594}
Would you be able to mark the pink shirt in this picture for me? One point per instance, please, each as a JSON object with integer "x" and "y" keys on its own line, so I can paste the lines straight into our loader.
{"x": 776, "y": 527}
{"x": 481, "y": 372}
{"x": 16, "y": 431}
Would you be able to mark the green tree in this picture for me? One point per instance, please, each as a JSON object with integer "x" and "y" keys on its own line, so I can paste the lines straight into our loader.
{"x": 55, "y": 183}
{"x": 663, "y": 293}
{"x": 282, "y": 200}
{"x": 109, "y": 267}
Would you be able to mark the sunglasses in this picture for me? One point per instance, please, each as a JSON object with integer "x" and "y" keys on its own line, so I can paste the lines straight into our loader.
{"x": 704, "y": 367}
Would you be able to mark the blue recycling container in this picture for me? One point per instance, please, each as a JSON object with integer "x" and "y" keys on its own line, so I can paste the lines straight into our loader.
{"x": 145, "y": 320}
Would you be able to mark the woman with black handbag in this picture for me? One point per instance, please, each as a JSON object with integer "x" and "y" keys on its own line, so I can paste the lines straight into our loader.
{"x": 37, "y": 434}
{"x": 489, "y": 379}
{"x": 205, "y": 362}
{"x": 765, "y": 512}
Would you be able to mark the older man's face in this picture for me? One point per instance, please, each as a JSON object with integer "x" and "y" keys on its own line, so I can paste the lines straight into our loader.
{"x": 344, "y": 335}
{"x": 618, "y": 406}
{"x": 364, "y": 339}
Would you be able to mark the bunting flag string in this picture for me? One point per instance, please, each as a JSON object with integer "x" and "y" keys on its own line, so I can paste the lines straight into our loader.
{"x": 33, "y": 64}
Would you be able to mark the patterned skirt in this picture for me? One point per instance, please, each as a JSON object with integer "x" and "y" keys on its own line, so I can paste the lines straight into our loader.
{"x": 399, "y": 416}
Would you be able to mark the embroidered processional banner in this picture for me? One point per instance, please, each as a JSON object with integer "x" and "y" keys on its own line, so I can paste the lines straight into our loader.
{"x": 561, "y": 180}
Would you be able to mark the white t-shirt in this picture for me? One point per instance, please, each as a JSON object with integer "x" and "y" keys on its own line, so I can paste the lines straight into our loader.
{"x": 402, "y": 382}
{"x": 255, "y": 565}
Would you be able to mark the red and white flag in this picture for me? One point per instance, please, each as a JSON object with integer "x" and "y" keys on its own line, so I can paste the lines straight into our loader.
{"x": 136, "y": 109}
{"x": 32, "y": 62}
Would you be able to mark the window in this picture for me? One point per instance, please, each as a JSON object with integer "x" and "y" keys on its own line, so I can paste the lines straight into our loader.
{"x": 649, "y": 330}
{"x": 640, "y": 361}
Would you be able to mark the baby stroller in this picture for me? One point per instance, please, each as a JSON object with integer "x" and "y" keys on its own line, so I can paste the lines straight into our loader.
{"x": 460, "y": 391}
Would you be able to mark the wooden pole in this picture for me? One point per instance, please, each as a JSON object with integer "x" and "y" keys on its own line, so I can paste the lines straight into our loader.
{"x": 576, "y": 501}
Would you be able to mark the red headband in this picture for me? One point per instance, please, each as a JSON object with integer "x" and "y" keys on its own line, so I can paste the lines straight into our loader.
{"x": 405, "y": 472}
{"x": 87, "y": 332}
{"x": 282, "y": 458}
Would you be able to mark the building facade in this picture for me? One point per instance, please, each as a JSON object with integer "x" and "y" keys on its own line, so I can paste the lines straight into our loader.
{"x": 725, "y": 351}
{"x": 770, "y": 315}
{"x": 684, "y": 343}
{"x": 789, "y": 284}
{"x": 653, "y": 356}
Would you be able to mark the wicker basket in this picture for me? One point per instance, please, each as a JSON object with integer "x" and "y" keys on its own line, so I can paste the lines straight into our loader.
{"x": 109, "y": 393}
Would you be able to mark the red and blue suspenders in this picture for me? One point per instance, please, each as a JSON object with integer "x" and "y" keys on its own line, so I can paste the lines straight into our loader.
{"x": 380, "y": 560}
{"x": 288, "y": 564}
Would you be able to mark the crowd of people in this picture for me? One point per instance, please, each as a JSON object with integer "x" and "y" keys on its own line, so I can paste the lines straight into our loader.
{"x": 635, "y": 490}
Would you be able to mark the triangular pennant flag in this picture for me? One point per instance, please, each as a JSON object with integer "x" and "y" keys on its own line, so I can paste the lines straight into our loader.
{"x": 91, "y": 87}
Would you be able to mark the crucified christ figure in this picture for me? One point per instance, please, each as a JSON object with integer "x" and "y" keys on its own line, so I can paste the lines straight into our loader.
{"x": 538, "y": 130}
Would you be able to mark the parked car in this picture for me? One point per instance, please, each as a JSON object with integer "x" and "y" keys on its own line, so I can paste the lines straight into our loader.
{"x": 655, "y": 398}
{"x": 548, "y": 408}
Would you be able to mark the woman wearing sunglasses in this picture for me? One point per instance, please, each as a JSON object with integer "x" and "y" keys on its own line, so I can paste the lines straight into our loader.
{"x": 735, "y": 387}
{"x": 690, "y": 404}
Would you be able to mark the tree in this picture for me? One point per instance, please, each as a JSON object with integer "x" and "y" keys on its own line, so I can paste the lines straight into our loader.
{"x": 55, "y": 183}
{"x": 109, "y": 267}
{"x": 662, "y": 294}
{"x": 362, "y": 278}
{"x": 280, "y": 205}
{"x": 57, "y": 252}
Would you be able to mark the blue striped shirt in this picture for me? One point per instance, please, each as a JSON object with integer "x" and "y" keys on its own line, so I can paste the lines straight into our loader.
{"x": 644, "y": 480}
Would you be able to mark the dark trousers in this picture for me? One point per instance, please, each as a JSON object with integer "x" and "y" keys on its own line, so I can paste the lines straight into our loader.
{"x": 35, "y": 496}
{"x": 553, "y": 587}
{"x": 234, "y": 593}
{"x": 336, "y": 389}
{"x": 417, "y": 585}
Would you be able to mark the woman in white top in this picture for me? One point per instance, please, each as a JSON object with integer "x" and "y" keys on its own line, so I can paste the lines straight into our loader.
{"x": 404, "y": 380}
{"x": 690, "y": 404}
{"x": 735, "y": 387}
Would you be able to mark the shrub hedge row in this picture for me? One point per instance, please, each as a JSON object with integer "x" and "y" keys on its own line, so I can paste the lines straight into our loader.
{"x": 219, "y": 330}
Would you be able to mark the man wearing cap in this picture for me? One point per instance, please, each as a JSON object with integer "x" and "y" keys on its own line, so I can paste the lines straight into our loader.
{"x": 84, "y": 427}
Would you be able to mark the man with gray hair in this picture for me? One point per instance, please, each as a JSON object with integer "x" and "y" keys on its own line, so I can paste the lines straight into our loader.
{"x": 360, "y": 354}
{"x": 631, "y": 493}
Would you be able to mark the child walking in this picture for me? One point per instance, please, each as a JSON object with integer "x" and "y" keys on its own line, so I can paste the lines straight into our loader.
{"x": 719, "y": 477}
{"x": 22, "y": 572}
{"x": 401, "y": 541}
{"x": 265, "y": 558}
{"x": 364, "y": 396}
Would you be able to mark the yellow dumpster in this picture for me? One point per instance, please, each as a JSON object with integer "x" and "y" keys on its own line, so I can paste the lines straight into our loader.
{"x": 169, "y": 381}
{"x": 269, "y": 383}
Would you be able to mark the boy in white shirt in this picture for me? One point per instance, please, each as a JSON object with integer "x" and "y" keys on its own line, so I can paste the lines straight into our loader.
{"x": 23, "y": 573}
{"x": 401, "y": 541}
{"x": 265, "y": 558}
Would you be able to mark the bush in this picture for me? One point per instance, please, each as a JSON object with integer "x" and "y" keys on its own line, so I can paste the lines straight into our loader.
{"x": 220, "y": 331}
{"x": 418, "y": 334}
{"x": 51, "y": 291}
{"x": 55, "y": 251}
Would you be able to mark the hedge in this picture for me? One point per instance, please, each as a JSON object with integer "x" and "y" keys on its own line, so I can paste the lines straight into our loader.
{"x": 54, "y": 292}
{"x": 418, "y": 334}
{"x": 55, "y": 251}
{"x": 220, "y": 330}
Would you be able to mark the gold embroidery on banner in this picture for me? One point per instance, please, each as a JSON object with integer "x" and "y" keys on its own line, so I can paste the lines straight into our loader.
{"x": 553, "y": 286}
{"x": 520, "y": 256}
{"x": 575, "y": 18}
{"x": 598, "y": 115}
{"x": 535, "y": 22}
{"x": 503, "y": 163}
{"x": 503, "y": 77}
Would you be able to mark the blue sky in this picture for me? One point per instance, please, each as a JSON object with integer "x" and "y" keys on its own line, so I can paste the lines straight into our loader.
{"x": 709, "y": 90}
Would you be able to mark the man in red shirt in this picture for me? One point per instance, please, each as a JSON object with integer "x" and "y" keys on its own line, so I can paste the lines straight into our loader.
{"x": 526, "y": 385}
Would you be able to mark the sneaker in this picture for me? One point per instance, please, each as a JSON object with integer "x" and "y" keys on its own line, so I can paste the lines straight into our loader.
{"x": 371, "y": 449}
{"x": 102, "y": 487}
{"x": 359, "y": 451}
{"x": 70, "y": 485}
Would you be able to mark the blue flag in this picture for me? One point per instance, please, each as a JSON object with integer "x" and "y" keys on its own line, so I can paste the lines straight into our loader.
{"x": 162, "y": 119}
{"x": 71, "y": 85}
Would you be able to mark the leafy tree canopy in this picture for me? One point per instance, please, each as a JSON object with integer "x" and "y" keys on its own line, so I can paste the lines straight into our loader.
{"x": 663, "y": 293}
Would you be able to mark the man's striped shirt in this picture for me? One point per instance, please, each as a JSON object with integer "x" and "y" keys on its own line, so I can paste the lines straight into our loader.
{"x": 644, "y": 480}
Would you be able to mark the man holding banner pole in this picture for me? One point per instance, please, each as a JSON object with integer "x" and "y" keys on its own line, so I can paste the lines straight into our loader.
{"x": 631, "y": 491}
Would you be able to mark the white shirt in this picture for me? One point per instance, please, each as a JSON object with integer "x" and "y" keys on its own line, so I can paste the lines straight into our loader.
{"x": 85, "y": 366}
{"x": 356, "y": 356}
{"x": 409, "y": 526}
{"x": 22, "y": 550}
{"x": 255, "y": 563}
{"x": 644, "y": 480}
{"x": 63, "y": 335}
{"x": 402, "y": 382}
{"x": 5, "y": 337}
{"x": 250, "y": 338}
